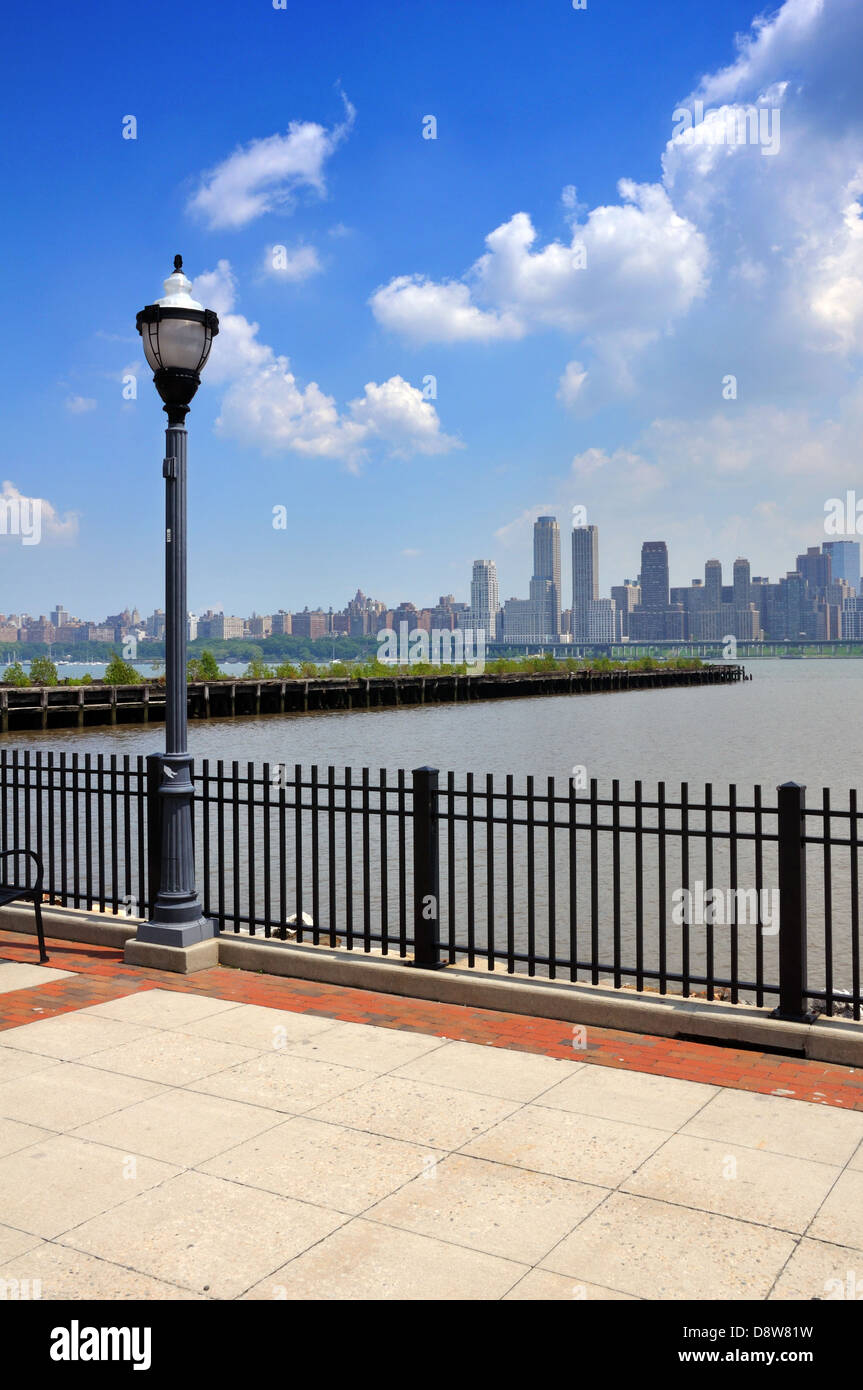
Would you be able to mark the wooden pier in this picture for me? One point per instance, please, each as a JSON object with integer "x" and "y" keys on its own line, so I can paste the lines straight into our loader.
{"x": 81, "y": 706}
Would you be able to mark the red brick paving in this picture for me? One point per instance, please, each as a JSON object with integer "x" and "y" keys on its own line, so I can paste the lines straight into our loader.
{"x": 101, "y": 974}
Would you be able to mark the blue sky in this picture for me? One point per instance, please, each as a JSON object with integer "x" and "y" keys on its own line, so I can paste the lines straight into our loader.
{"x": 557, "y": 383}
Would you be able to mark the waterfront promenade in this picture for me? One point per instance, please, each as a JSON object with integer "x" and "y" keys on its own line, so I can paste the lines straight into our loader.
{"x": 228, "y": 1136}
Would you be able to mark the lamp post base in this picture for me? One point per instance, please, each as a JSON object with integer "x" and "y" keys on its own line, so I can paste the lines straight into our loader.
{"x": 161, "y": 933}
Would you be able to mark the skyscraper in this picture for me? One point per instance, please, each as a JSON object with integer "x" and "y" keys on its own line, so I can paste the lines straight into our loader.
{"x": 546, "y": 565}
{"x": 654, "y": 574}
{"x": 742, "y": 583}
{"x": 845, "y": 561}
{"x": 585, "y": 579}
{"x": 484, "y": 599}
{"x": 713, "y": 584}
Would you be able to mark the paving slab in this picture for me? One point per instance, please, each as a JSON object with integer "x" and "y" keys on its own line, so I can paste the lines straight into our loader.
{"x": 490, "y": 1071}
{"x": 15, "y": 1135}
{"x": 367, "y": 1047}
{"x": 401, "y": 1109}
{"x": 368, "y": 1261}
{"x": 160, "y": 1008}
{"x": 323, "y": 1163}
{"x": 13, "y": 1242}
{"x": 71, "y": 1036}
{"x": 180, "y": 1127}
{"x": 657, "y": 1251}
{"x": 583, "y": 1148}
{"x": 69, "y": 1095}
{"x": 841, "y": 1217}
{"x": 541, "y": 1286}
{"x": 70, "y": 1274}
{"x": 255, "y": 1026}
{"x": 15, "y": 974}
{"x": 207, "y": 1235}
{"x": 14, "y": 1063}
{"x": 772, "y": 1189}
{"x": 486, "y": 1206}
{"x": 803, "y": 1130}
{"x": 660, "y": 1102}
{"x": 174, "y": 1059}
{"x": 819, "y": 1270}
{"x": 280, "y": 1082}
{"x": 51, "y": 1186}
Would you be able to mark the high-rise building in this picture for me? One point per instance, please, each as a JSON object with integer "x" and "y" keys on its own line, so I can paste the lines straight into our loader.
{"x": 713, "y": 584}
{"x": 742, "y": 583}
{"x": 602, "y": 621}
{"x": 546, "y": 565}
{"x": 654, "y": 575}
{"x": 585, "y": 579}
{"x": 484, "y": 599}
{"x": 845, "y": 561}
{"x": 627, "y": 597}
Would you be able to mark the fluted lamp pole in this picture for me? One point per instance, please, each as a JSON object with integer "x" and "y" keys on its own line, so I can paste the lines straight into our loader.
{"x": 177, "y": 334}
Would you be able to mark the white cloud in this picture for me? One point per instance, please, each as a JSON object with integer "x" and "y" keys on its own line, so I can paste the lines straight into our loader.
{"x": 52, "y": 525}
{"x": 264, "y": 403}
{"x": 79, "y": 405}
{"x": 426, "y": 312}
{"x": 571, "y": 383}
{"x": 283, "y": 263}
{"x": 266, "y": 174}
{"x": 626, "y": 275}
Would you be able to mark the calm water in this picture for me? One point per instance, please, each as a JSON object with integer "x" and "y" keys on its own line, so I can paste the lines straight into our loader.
{"x": 796, "y": 720}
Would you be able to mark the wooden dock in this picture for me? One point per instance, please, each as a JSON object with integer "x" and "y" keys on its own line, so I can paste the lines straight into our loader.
{"x": 80, "y": 706}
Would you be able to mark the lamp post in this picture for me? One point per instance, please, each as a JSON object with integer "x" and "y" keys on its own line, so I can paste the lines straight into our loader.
{"x": 177, "y": 334}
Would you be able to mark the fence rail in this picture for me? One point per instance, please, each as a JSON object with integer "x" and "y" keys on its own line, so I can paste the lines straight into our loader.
{"x": 741, "y": 896}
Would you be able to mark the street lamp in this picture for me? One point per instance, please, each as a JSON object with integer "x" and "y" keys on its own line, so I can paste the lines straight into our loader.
{"x": 177, "y": 334}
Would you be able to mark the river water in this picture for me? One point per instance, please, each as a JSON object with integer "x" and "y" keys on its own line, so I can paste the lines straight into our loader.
{"x": 795, "y": 720}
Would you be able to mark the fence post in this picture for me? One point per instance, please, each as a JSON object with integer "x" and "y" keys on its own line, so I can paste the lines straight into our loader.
{"x": 791, "y": 804}
{"x": 154, "y": 828}
{"x": 426, "y": 866}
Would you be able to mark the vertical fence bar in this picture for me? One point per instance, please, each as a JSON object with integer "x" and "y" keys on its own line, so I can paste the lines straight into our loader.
{"x": 298, "y": 850}
{"x": 594, "y": 882}
{"x": 349, "y": 860}
{"x": 426, "y": 865}
{"x": 855, "y": 907}
{"x": 51, "y": 828}
{"x": 205, "y": 834}
{"x": 268, "y": 852}
{"x": 663, "y": 888}
{"x": 572, "y": 839}
{"x": 450, "y": 874}
{"x": 510, "y": 876}
{"x": 684, "y": 865}
{"x": 316, "y": 877}
{"x": 710, "y": 970}
{"x": 615, "y": 875}
{"x": 531, "y": 881}
{"x": 471, "y": 880}
{"x": 115, "y": 857}
{"x": 100, "y": 826}
{"x": 250, "y": 845}
{"x": 732, "y": 873}
{"x": 367, "y": 868}
{"x": 551, "y": 804}
{"x": 220, "y": 839}
{"x": 828, "y": 904}
{"x": 331, "y": 850}
{"x": 792, "y": 902}
{"x": 384, "y": 803}
{"x": 639, "y": 890}
{"x": 402, "y": 864}
{"x": 489, "y": 869}
{"x": 759, "y": 883}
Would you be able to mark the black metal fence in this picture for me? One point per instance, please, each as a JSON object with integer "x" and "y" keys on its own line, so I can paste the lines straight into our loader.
{"x": 737, "y": 897}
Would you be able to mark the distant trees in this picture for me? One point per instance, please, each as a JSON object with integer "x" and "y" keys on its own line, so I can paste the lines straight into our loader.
{"x": 119, "y": 672}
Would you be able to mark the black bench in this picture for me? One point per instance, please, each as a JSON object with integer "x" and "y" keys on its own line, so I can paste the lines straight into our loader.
{"x": 13, "y": 892}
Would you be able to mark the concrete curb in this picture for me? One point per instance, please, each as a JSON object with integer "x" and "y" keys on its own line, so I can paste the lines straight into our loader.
{"x": 833, "y": 1040}
{"x": 70, "y": 924}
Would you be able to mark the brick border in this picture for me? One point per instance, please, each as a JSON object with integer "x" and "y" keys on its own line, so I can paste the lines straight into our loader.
{"x": 100, "y": 974}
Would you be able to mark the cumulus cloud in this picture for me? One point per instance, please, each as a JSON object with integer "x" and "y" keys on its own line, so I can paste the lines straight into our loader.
{"x": 21, "y": 514}
{"x": 265, "y": 404}
{"x": 627, "y": 271}
{"x": 266, "y": 175}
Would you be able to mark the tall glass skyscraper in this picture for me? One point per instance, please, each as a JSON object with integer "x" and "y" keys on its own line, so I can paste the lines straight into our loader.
{"x": 585, "y": 579}
{"x": 546, "y": 565}
{"x": 654, "y": 574}
{"x": 845, "y": 557}
{"x": 484, "y": 598}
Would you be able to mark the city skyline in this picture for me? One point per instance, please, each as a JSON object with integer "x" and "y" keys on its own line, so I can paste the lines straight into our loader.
{"x": 646, "y": 607}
